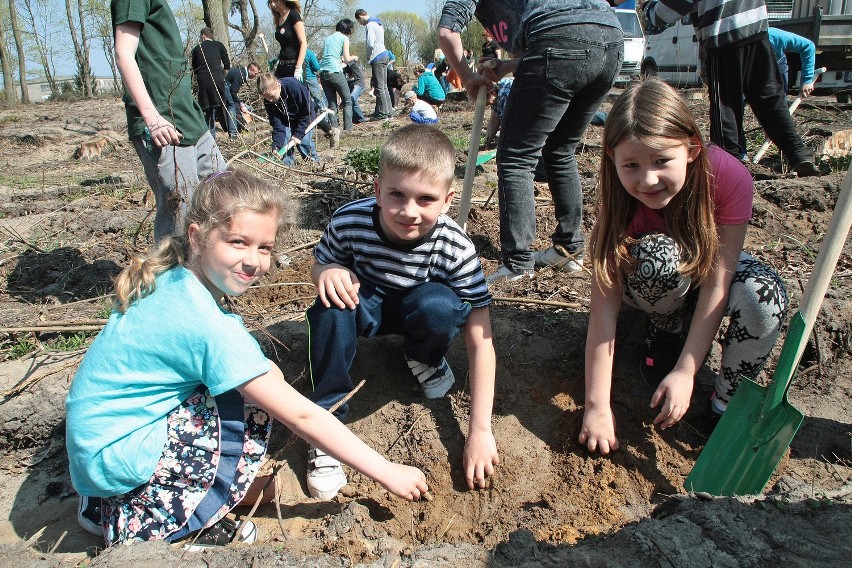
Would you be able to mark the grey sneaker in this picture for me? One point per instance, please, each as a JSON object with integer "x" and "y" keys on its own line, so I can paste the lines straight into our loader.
{"x": 559, "y": 258}
{"x": 223, "y": 533}
{"x": 435, "y": 381}
{"x": 504, "y": 273}
{"x": 89, "y": 515}
{"x": 325, "y": 474}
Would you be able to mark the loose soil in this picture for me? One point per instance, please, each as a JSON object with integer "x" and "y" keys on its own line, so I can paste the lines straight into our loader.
{"x": 68, "y": 226}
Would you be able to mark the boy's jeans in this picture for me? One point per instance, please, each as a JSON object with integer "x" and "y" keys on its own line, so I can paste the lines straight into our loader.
{"x": 231, "y": 115}
{"x": 559, "y": 84}
{"x": 428, "y": 317}
{"x": 307, "y": 149}
{"x": 357, "y": 113}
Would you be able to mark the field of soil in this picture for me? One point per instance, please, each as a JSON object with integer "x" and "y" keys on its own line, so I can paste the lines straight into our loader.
{"x": 67, "y": 226}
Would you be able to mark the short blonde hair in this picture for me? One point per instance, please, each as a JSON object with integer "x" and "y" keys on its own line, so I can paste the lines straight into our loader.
{"x": 265, "y": 82}
{"x": 422, "y": 150}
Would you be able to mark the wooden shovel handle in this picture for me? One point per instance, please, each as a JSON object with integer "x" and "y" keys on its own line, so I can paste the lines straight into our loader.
{"x": 472, "y": 154}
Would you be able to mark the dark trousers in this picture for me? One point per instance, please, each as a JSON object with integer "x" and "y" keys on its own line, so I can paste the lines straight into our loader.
{"x": 749, "y": 71}
{"x": 428, "y": 317}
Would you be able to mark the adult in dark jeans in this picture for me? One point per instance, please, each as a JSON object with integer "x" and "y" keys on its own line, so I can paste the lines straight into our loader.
{"x": 740, "y": 65}
{"x": 570, "y": 52}
{"x": 379, "y": 58}
{"x": 334, "y": 50}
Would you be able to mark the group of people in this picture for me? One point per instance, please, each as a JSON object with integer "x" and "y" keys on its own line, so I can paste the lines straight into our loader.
{"x": 165, "y": 436}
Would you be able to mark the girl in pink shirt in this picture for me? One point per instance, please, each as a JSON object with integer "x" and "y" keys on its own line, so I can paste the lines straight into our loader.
{"x": 672, "y": 214}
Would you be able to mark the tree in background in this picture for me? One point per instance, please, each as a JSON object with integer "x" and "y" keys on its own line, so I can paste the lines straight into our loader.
{"x": 216, "y": 18}
{"x": 41, "y": 41}
{"x": 22, "y": 57}
{"x": 99, "y": 11}
{"x": 81, "y": 48}
{"x": 403, "y": 32}
{"x": 6, "y": 65}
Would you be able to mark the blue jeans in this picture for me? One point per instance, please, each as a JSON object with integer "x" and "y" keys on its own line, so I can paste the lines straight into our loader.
{"x": 306, "y": 148}
{"x": 379, "y": 67}
{"x": 320, "y": 103}
{"x": 231, "y": 116}
{"x": 560, "y": 82}
{"x": 334, "y": 85}
{"x": 428, "y": 317}
{"x": 357, "y": 113}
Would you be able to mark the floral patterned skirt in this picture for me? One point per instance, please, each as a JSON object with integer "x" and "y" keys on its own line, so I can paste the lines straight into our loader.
{"x": 214, "y": 448}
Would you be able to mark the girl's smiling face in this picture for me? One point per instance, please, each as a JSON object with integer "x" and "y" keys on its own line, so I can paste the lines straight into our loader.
{"x": 653, "y": 174}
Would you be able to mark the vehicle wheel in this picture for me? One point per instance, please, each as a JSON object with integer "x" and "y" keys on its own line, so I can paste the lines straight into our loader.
{"x": 649, "y": 67}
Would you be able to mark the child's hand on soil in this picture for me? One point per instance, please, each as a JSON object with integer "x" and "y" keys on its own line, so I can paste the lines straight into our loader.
{"x": 404, "y": 481}
{"x": 480, "y": 457}
{"x": 676, "y": 390}
{"x": 339, "y": 286}
{"x": 598, "y": 431}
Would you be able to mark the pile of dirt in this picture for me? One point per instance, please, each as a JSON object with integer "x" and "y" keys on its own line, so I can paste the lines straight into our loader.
{"x": 67, "y": 226}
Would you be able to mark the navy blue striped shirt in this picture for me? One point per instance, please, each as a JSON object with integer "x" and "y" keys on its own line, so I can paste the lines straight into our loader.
{"x": 354, "y": 239}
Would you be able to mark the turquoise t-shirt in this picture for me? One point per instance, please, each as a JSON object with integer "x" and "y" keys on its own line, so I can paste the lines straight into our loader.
{"x": 427, "y": 84}
{"x": 332, "y": 52}
{"x": 141, "y": 366}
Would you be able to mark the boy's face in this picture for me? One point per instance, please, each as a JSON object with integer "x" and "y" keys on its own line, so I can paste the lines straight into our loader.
{"x": 410, "y": 204}
{"x": 272, "y": 94}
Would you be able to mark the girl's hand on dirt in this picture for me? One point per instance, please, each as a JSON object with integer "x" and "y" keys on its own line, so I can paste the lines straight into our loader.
{"x": 163, "y": 132}
{"x": 598, "y": 431}
{"x": 338, "y": 286}
{"x": 404, "y": 481}
{"x": 480, "y": 457}
{"x": 676, "y": 390}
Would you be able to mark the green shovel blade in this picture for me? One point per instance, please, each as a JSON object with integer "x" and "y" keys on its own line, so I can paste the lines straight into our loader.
{"x": 754, "y": 432}
{"x": 486, "y": 157}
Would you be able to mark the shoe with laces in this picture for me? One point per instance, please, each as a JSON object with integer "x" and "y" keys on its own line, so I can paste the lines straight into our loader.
{"x": 435, "y": 381}
{"x": 325, "y": 474}
{"x": 504, "y": 273}
{"x": 222, "y": 533}
{"x": 806, "y": 169}
{"x": 662, "y": 350}
{"x": 89, "y": 515}
{"x": 559, "y": 258}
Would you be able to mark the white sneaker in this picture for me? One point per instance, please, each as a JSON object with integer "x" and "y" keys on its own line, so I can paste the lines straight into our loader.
{"x": 325, "y": 474}
{"x": 334, "y": 139}
{"x": 435, "y": 381}
{"x": 504, "y": 273}
{"x": 559, "y": 258}
{"x": 89, "y": 515}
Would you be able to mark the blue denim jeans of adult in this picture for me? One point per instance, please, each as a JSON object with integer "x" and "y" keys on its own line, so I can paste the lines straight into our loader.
{"x": 429, "y": 317}
{"x": 306, "y": 149}
{"x": 560, "y": 82}
{"x": 357, "y": 113}
{"x": 379, "y": 67}
{"x": 320, "y": 103}
{"x": 334, "y": 86}
{"x": 231, "y": 116}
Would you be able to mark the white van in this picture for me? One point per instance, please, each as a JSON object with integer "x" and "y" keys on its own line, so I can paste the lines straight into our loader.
{"x": 673, "y": 55}
{"x": 634, "y": 46}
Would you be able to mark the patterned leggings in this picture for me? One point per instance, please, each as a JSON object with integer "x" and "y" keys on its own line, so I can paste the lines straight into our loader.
{"x": 757, "y": 305}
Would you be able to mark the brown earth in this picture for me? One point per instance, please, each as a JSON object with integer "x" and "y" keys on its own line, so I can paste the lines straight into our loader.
{"x": 68, "y": 226}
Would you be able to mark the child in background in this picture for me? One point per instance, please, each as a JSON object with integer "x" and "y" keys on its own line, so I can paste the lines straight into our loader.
{"x": 290, "y": 111}
{"x": 163, "y": 434}
{"x": 428, "y": 88}
{"x": 395, "y": 263}
{"x": 355, "y": 79}
{"x": 420, "y": 112}
{"x": 672, "y": 215}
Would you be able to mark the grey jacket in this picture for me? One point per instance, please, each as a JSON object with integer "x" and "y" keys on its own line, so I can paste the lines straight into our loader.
{"x": 720, "y": 23}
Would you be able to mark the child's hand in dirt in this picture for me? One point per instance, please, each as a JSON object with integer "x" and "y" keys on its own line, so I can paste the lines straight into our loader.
{"x": 598, "y": 431}
{"x": 404, "y": 481}
{"x": 480, "y": 457}
{"x": 339, "y": 286}
{"x": 676, "y": 390}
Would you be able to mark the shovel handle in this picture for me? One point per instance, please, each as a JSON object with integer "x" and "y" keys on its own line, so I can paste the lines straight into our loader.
{"x": 472, "y": 154}
{"x": 809, "y": 305}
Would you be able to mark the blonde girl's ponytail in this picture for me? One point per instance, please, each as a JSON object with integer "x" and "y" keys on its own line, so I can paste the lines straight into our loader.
{"x": 139, "y": 278}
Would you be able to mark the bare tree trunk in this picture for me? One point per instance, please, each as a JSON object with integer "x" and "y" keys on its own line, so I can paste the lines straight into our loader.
{"x": 6, "y": 65}
{"x": 41, "y": 48}
{"x": 216, "y": 19}
{"x": 88, "y": 88}
{"x": 22, "y": 56}
{"x": 82, "y": 60}
{"x": 248, "y": 31}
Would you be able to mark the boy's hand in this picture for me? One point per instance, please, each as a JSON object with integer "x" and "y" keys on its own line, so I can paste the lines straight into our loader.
{"x": 480, "y": 457}
{"x": 404, "y": 481}
{"x": 163, "y": 132}
{"x": 676, "y": 390}
{"x": 339, "y": 286}
{"x": 598, "y": 431}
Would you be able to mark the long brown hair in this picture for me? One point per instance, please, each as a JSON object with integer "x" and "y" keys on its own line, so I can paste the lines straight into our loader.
{"x": 214, "y": 204}
{"x": 654, "y": 114}
{"x": 277, "y": 18}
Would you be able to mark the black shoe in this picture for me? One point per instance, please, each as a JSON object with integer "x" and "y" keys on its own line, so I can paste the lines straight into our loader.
{"x": 220, "y": 534}
{"x": 806, "y": 169}
{"x": 662, "y": 350}
{"x": 89, "y": 515}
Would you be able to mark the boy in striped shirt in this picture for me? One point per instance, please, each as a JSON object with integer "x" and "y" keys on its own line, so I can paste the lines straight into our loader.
{"x": 396, "y": 263}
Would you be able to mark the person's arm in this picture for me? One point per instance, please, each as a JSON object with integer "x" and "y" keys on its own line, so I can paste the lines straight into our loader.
{"x": 163, "y": 132}
{"x": 660, "y": 14}
{"x": 346, "y": 57}
{"x": 807, "y": 53}
{"x": 336, "y": 285}
{"x": 302, "y": 97}
{"x": 279, "y": 132}
{"x": 451, "y": 44}
{"x": 226, "y": 61}
{"x": 598, "y": 430}
{"x": 480, "y": 450}
{"x": 676, "y": 388}
{"x": 319, "y": 427}
{"x": 299, "y": 30}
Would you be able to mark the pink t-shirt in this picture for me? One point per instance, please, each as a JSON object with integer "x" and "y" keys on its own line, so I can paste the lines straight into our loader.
{"x": 734, "y": 193}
